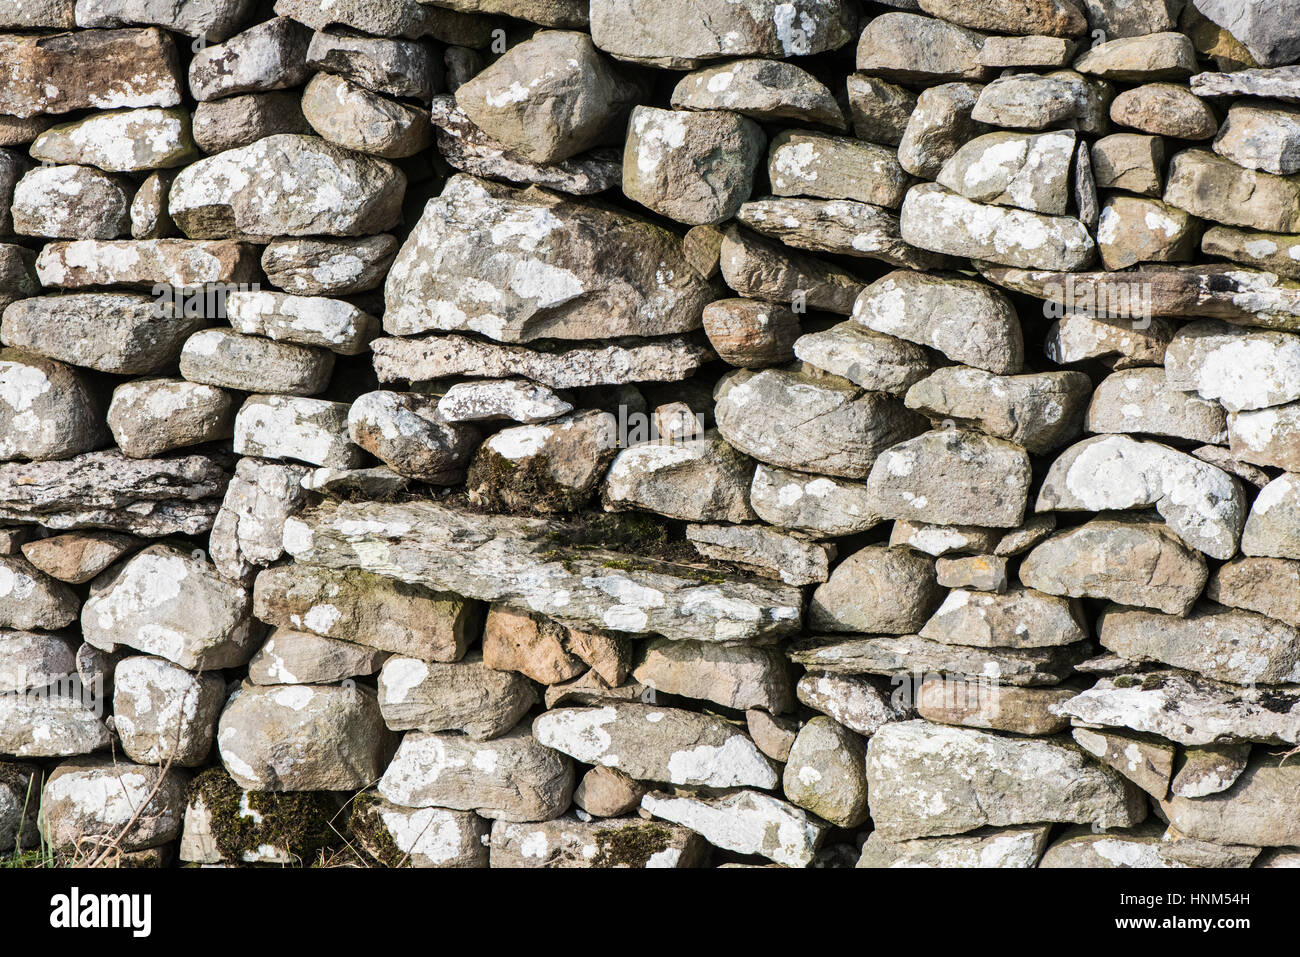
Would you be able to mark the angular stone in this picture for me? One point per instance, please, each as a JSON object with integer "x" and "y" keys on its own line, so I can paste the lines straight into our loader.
{"x": 287, "y": 185}
{"x": 151, "y": 416}
{"x": 1134, "y": 230}
{"x": 1279, "y": 83}
{"x": 993, "y": 706}
{"x": 826, "y": 773}
{"x": 857, "y": 702}
{"x": 299, "y": 657}
{"x": 551, "y": 467}
{"x": 291, "y": 427}
{"x": 936, "y": 540}
{"x": 879, "y": 110}
{"x": 71, "y": 202}
{"x": 92, "y": 805}
{"x": 1020, "y": 847}
{"x": 876, "y": 590}
{"x": 267, "y": 56}
{"x": 49, "y": 726}
{"x": 392, "y": 66}
{"x": 951, "y": 477}
{"x": 925, "y": 780}
{"x": 1225, "y": 644}
{"x": 546, "y": 277}
{"x": 31, "y": 599}
{"x": 767, "y": 552}
{"x": 694, "y": 167}
{"x": 903, "y": 657}
{"x": 1141, "y": 401}
{"x": 937, "y": 126}
{"x": 303, "y": 738}
{"x": 230, "y": 360}
{"x": 732, "y": 676}
{"x": 1027, "y": 51}
{"x": 764, "y": 90}
{"x": 934, "y": 218}
{"x": 1129, "y": 161}
{"x": 1215, "y": 188}
{"x": 164, "y": 601}
{"x": 213, "y": 21}
{"x": 1260, "y": 138}
{"x": 1131, "y": 561}
{"x": 164, "y": 714}
{"x": 1078, "y": 337}
{"x": 816, "y": 505}
{"x": 974, "y": 572}
{"x": 1273, "y": 525}
{"x": 1088, "y": 848}
{"x": 1131, "y": 18}
{"x": 1032, "y": 102}
{"x": 1264, "y": 585}
{"x": 907, "y": 48}
{"x": 1242, "y": 370}
{"x": 1057, "y": 18}
{"x": 1028, "y": 171}
{"x": 329, "y": 267}
{"x": 1202, "y": 504}
{"x": 463, "y": 696}
{"x": 759, "y": 269}
{"x": 701, "y": 480}
{"x": 748, "y": 822}
{"x": 239, "y": 121}
{"x": 247, "y": 531}
{"x": 129, "y": 141}
{"x": 1038, "y": 411}
{"x": 406, "y": 432}
{"x": 103, "y": 70}
{"x": 689, "y": 32}
{"x": 876, "y": 362}
{"x": 530, "y": 645}
{"x": 1268, "y": 32}
{"x": 77, "y": 557}
{"x": 1254, "y": 811}
{"x": 838, "y": 226}
{"x": 1266, "y": 436}
{"x": 1148, "y": 763}
{"x": 511, "y": 778}
{"x": 1209, "y": 770}
{"x": 47, "y": 410}
{"x": 835, "y": 167}
{"x": 1155, "y": 56}
{"x": 149, "y": 216}
{"x": 367, "y": 609}
{"x": 792, "y": 420}
{"x": 1021, "y": 618}
{"x": 392, "y": 18}
{"x": 353, "y": 117}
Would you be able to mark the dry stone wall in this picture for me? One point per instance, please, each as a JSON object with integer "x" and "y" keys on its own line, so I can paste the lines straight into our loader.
{"x": 541, "y": 433}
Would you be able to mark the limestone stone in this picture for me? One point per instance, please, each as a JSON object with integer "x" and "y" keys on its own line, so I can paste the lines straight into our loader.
{"x": 91, "y": 804}
{"x": 826, "y": 773}
{"x": 1267, "y": 31}
{"x": 151, "y": 416}
{"x": 733, "y": 676}
{"x": 835, "y": 167}
{"x": 77, "y": 557}
{"x": 67, "y": 727}
{"x": 1147, "y": 762}
{"x": 816, "y": 505}
{"x": 355, "y": 118}
{"x": 757, "y": 268}
{"x": 554, "y": 466}
{"x": 1166, "y": 109}
{"x": 231, "y": 360}
{"x": 1133, "y": 229}
{"x": 462, "y": 696}
{"x": 1209, "y": 769}
{"x": 329, "y": 267}
{"x": 907, "y": 48}
{"x": 1033, "y": 102}
{"x": 1027, "y": 51}
{"x": 292, "y": 657}
{"x": 1211, "y": 187}
{"x": 407, "y": 433}
{"x": 267, "y": 56}
{"x": 163, "y": 713}
{"x": 876, "y": 590}
{"x": 71, "y": 202}
{"x": 1020, "y": 847}
{"x": 1141, "y": 401}
{"x": 938, "y": 122}
{"x": 1242, "y": 370}
{"x": 768, "y": 552}
{"x": 746, "y": 821}
{"x": 1273, "y": 525}
{"x": 877, "y": 362}
{"x": 1260, "y": 138}
{"x": 700, "y": 480}
{"x": 1154, "y": 56}
{"x": 763, "y": 90}
{"x": 995, "y": 707}
{"x": 238, "y": 121}
{"x": 1129, "y": 161}
{"x": 750, "y": 333}
{"x": 1058, "y": 18}
{"x": 857, "y": 702}
{"x": 392, "y": 18}
{"x": 1021, "y": 618}
{"x": 606, "y": 792}
{"x": 291, "y": 427}
{"x": 569, "y": 842}
{"x": 1254, "y": 811}
{"x": 1263, "y": 585}
{"x": 973, "y": 572}
{"x": 1026, "y": 170}
{"x": 47, "y": 409}
{"x": 389, "y": 65}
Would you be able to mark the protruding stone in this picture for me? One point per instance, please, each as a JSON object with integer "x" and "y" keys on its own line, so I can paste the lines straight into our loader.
{"x": 700, "y": 480}
{"x": 877, "y": 590}
{"x": 289, "y": 427}
{"x": 163, "y": 713}
{"x": 462, "y": 696}
{"x": 151, "y": 416}
{"x": 745, "y": 821}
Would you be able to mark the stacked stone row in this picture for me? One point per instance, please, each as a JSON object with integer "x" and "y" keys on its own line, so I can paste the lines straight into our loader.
{"x": 541, "y": 433}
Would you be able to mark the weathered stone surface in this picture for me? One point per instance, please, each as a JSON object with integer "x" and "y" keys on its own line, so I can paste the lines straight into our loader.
{"x": 814, "y": 504}
{"x": 49, "y": 726}
{"x": 908, "y": 655}
{"x": 936, "y": 540}
{"x": 1031, "y": 51}
{"x": 303, "y": 738}
{"x": 392, "y": 18}
{"x": 92, "y": 804}
{"x": 826, "y": 773}
{"x": 512, "y": 778}
{"x": 47, "y": 410}
{"x": 987, "y": 847}
{"x": 163, "y": 713}
{"x": 517, "y": 400}
{"x": 876, "y": 590}
{"x": 605, "y": 792}
{"x": 149, "y": 263}
{"x": 1038, "y": 411}
{"x": 239, "y": 121}
{"x": 1148, "y": 763}
{"x": 1028, "y": 171}
{"x": 859, "y": 703}
{"x": 1268, "y": 31}
{"x": 421, "y": 837}
{"x": 467, "y": 148}
{"x": 767, "y": 552}
{"x": 388, "y": 65}
{"x": 71, "y": 202}
{"x": 151, "y": 416}
{"x": 19, "y": 806}
{"x": 164, "y": 601}
{"x": 1254, "y": 811}
{"x": 764, "y": 90}
{"x": 996, "y": 707}
{"x": 247, "y": 531}
{"x": 568, "y": 842}
{"x": 1202, "y": 504}
{"x": 1021, "y": 618}
{"x": 292, "y": 427}
{"x": 1215, "y": 188}
{"x": 292, "y": 657}
{"x": 1261, "y": 138}
{"x": 938, "y": 123}
{"x": 196, "y": 18}
{"x": 406, "y": 432}
{"x": 531, "y": 645}
{"x": 657, "y": 744}
{"x": 835, "y": 167}
{"x": 1155, "y": 56}
{"x": 1134, "y": 230}
{"x": 1141, "y": 401}
{"x": 1078, "y": 337}
{"x": 951, "y": 477}
{"x": 367, "y": 609}
{"x": 700, "y": 480}
{"x": 877, "y": 362}
{"x": 1273, "y": 525}
{"x": 693, "y": 31}
{"x": 1266, "y": 436}
{"x": 353, "y": 117}
{"x": 129, "y": 141}
{"x": 1129, "y": 161}
{"x": 77, "y": 557}
{"x": 934, "y": 218}
{"x": 732, "y": 676}
{"x": 655, "y": 360}
{"x": 1165, "y": 109}
{"x": 82, "y": 70}
{"x": 34, "y": 660}
{"x": 1264, "y": 585}
{"x": 759, "y": 269}
{"x": 108, "y": 490}
{"x": 1032, "y": 102}
{"x": 1056, "y": 18}
{"x": 545, "y": 277}
{"x": 546, "y": 468}
{"x": 267, "y": 56}
{"x": 462, "y": 696}
{"x": 745, "y": 821}
{"x": 306, "y": 320}
{"x": 287, "y": 185}
{"x": 974, "y": 572}
{"x": 1225, "y": 644}
{"x": 329, "y": 267}
{"x": 750, "y": 333}
{"x": 1131, "y": 561}
{"x": 17, "y": 273}
{"x": 925, "y": 780}
{"x": 792, "y": 420}
{"x": 31, "y": 599}
{"x": 1279, "y": 253}
{"x": 839, "y": 226}
{"x": 1242, "y": 370}
{"x": 1188, "y": 709}
{"x": 1279, "y": 82}
{"x": 550, "y": 13}
{"x": 1209, "y": 769}
{"x": 908, "y": 48}
{"x": 230, "y": 360}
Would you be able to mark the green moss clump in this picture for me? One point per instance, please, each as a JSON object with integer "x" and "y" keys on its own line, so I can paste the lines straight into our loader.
{"x": 295, "y": 822}
{"x": 500, "y": 485}
{"x": 368, "y": 829}
{"x": 630, "y": 846}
